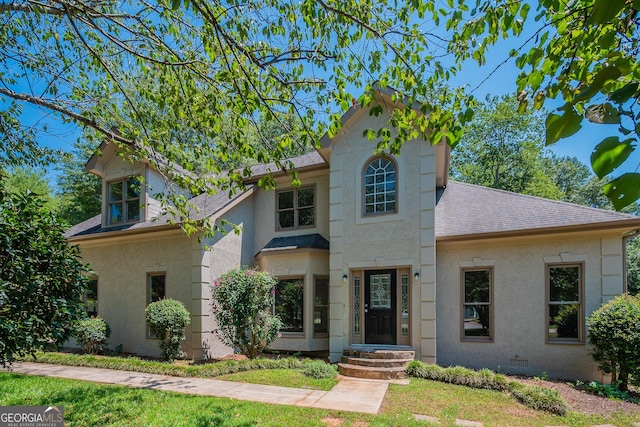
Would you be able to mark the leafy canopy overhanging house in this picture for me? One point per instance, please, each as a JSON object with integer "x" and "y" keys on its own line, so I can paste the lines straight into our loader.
{"x": 371, "y": 249}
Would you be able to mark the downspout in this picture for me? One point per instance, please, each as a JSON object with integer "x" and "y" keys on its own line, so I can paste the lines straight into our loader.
{"x": 625, "y": 237}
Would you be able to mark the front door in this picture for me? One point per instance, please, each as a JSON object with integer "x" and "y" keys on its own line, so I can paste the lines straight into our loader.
{"x": 380, "y": 307}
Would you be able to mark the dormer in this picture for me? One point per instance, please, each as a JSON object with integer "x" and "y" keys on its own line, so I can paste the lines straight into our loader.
{"x": 129, "y": 186}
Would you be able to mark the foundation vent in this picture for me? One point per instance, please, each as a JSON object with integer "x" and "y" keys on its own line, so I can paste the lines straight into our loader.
{"x": 518, "y": 362}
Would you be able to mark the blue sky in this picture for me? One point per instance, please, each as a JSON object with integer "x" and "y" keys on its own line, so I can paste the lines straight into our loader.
{"x": 502, "y": 81}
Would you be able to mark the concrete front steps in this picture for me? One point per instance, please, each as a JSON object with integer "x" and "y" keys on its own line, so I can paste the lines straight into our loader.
{"x": 379, "y": 362}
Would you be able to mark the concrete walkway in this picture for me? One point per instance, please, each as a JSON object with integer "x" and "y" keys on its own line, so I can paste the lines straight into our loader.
{"x": 353, "y": 395}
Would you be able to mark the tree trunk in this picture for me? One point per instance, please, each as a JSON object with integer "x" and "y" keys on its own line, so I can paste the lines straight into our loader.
{"x": 614, "y": 373}
{"x": 623, "y": 379}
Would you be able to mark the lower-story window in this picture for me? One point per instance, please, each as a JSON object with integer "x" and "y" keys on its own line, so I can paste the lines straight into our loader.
{"x": 564, "y": 303}
{"x": 477, "y": 312}
{"x": 156, "y": 287}
{"x": 321, "y": 306}
{"x": 289, "y": 305}
{"x": 90, "y": 298}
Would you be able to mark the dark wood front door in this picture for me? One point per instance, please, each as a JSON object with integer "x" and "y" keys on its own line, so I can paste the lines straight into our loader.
{"x": 380, "y": 307}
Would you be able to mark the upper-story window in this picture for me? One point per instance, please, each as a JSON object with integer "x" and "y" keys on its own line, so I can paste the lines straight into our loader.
{"x": 296, "y": 208}
{"x": 380, "y": 187}
{"x": 124, "y": 201}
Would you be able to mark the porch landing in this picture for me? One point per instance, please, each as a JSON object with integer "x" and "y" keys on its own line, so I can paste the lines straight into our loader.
{"x": 375, "y": 361}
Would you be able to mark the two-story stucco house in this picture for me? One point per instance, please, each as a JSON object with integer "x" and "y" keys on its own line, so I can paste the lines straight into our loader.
{"x": 369, "y": 250}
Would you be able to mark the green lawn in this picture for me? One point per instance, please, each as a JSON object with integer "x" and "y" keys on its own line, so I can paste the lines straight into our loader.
{"x": 282, "y": 378}
{"x": 448, "y": 402}
{"x": 88, "y": 404}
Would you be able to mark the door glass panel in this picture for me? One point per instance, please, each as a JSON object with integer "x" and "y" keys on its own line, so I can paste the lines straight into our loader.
{"x": 380, "y": 291}
{"x": 405, "y": 305}
{"x": 356, "y": 306}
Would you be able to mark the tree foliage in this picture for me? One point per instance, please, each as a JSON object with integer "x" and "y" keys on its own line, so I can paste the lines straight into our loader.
{"x": 242, "y": 304}
{"x": 21, "y": 179}
{"x": 584, "y": 53}
{"x": 79, "y": 192}
{"x": 42, "y": 279}
{"x": 168, "y": 319}
{"x": 614, "y": 333}
{"x": 164, "y": 79}
{"x": 503, "y": 149}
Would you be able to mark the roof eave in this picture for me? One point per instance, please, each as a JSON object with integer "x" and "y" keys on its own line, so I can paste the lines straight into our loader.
{"x": 623, "y": 225}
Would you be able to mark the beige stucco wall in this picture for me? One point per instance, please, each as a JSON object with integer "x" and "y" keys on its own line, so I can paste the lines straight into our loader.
{"x": 225, "y": 251}
{"x": 404, "y": 239}
{"x": 520, "y": 301}
{"x": 307, "y": 263}
{"x": 121, "y": 266}
{"x": 265, "y": 209}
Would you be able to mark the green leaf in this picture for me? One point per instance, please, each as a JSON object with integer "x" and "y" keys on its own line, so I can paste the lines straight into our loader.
{"x": 175, "y": 4}
{"x": 623, "y": 190}
{"x": 623, "y": 94}
{"x": 603, "y": 76}
{"x": 609, "y": 154}
{"x": 562, "y": 126}
{"x": 602, "y": 114}
{"x": 605, "y": 10}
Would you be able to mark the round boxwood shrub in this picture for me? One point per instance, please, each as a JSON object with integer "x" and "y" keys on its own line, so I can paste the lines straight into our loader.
{"x": 168, "y": 319}
{"x": 614, "y": 333}
{"x": 92, "y": 334}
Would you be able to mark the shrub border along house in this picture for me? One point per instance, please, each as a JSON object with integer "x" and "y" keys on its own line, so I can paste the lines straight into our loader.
{"x": 534, "y": 397}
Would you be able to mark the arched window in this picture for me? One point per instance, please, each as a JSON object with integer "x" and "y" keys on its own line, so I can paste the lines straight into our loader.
{"x": 380, "y": 186}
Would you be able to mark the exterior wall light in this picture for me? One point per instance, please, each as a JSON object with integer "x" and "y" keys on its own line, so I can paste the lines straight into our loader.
{"x": 345, "y": 278}
{"x": 416, "y": 275}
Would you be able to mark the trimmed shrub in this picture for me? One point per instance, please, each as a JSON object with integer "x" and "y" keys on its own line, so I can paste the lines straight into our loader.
{"x": 614, "y": 333}
{"x": 92, "y": 334}
{"x": 320, "y": 370}
{"x": 242, "y": 304}
{"x": 168, "y": 319}
{"x": 540, "y": 398}
{"x": 458, "y": 375}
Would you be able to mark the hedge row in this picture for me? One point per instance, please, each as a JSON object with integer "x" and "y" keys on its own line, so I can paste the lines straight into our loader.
{"x": 532, "y": 396}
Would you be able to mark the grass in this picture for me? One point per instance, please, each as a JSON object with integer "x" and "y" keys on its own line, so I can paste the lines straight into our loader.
{"x": 492, "y": 408}
{"x": 282, "y": 378}
{"x": 92, "y": 404}
{"x": 88, "y": 404}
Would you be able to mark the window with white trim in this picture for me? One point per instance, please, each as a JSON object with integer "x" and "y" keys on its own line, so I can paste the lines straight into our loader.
{"x": 123, "y": 201}
{"x": 295, "y": 208}
{"x": 380, "y": 187}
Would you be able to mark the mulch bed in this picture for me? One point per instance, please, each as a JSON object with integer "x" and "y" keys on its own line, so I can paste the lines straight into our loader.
{"x": 585, "y": 402}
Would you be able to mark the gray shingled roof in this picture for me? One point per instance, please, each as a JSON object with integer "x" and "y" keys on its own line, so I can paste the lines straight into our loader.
{"x": 469, "y": 210}
{"x": 204, "y": 206}
{"x": 314, "y": 241}
{"x": 301, "y": 162}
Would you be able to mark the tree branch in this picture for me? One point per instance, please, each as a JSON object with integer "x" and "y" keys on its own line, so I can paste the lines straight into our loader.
{"x": 65, "y": 111}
